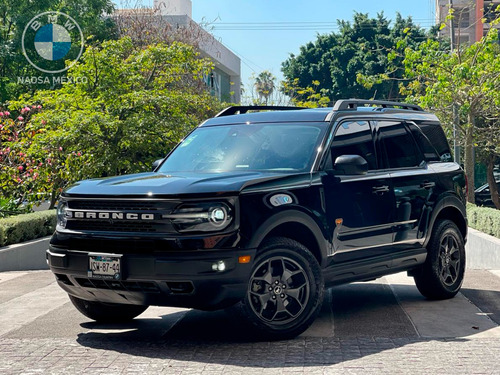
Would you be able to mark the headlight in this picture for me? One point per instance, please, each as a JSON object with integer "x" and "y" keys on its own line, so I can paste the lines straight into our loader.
{"x": 201, "y": 217}
{"x": 62, "y": 217}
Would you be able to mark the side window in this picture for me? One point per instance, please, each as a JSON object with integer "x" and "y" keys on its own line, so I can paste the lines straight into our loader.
{"x": 430, "y": 153}
{"x": 398, "y": 145}
{"x": 434, "y": 132}
{"x": 354, "y": 138}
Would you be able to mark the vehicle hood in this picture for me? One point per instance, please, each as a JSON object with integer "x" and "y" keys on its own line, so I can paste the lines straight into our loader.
{"x": 153, "y": 184}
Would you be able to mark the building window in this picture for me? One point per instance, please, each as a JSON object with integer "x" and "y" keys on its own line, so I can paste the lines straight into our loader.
{"x": 490, "y": 13}
{"x": 213, "y": 82}
{"x": 464, "y": 40}
{"x": 461, "y": 18}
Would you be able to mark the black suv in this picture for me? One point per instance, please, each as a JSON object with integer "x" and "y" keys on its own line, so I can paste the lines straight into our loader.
{"x": 261, "y": 208}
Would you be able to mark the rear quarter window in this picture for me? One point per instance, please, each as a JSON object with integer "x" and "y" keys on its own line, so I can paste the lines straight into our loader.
{"x": 435, "y": 134}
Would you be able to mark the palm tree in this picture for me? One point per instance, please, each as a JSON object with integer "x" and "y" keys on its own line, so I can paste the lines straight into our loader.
{"x": 264, "y": 85}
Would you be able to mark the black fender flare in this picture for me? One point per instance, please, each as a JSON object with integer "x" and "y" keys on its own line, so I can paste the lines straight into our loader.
{"x": 445, "y": 203}
{"x": 291, "y": 216}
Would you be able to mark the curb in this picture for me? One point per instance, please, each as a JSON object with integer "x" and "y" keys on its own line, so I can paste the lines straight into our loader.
{"x": 25, "y": 256}
{"x": 482, "y": 251}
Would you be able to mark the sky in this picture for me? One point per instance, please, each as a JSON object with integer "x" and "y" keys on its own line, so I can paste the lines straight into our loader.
{"x": 263, "y": 33}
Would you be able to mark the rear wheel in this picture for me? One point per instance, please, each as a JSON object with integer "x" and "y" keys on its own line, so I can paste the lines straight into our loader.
{"x": 107, "y": 312}
{"x": 442, "y": 274}
{"x": 285, "y": 290}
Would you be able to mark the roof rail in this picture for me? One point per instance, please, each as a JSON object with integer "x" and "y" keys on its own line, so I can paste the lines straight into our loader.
{"x": 241, "y": 109}
{"x": 353, "y": 104}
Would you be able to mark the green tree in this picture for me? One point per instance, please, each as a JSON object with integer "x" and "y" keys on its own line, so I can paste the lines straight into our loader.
{"x": 360, "y": 48}
{"x": 308, "y": 97}
{"x": 91, "y": 15}
{"x": 135, "y": 106}
{"x": 264, "y": 86}
{"x": 467, "y": 80}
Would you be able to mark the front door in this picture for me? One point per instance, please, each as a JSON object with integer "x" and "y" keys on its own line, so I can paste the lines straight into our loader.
{"x": 360, "y": 209}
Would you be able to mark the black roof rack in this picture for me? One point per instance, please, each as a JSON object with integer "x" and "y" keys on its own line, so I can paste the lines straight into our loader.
{"x": 353, "y": 104}
{"x": 241, "y": 109}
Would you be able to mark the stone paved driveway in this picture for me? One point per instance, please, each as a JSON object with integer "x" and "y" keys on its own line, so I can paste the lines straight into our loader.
{"x": 379, "y": 327}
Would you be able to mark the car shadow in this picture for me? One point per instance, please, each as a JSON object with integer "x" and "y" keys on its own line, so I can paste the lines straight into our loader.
{"x": 368, "y": 320}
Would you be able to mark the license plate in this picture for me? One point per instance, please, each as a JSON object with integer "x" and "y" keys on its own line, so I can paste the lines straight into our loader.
{"x": 104, "y": 267}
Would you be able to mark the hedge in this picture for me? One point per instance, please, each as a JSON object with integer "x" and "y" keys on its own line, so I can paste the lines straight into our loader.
{"x": 27, "y": 227}
{"x": 484, "y": 219}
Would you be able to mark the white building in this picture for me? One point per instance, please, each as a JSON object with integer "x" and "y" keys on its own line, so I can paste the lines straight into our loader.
{"x": 225, "y": 81}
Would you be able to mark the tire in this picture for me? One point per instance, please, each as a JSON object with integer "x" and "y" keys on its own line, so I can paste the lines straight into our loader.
{"x": 285, "y": 290}
{"x": 107, "y": 312}
{"x": 442, "y": 274}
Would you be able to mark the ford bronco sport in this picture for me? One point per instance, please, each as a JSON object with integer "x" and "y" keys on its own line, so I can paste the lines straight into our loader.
{"x": 261, "y": 208}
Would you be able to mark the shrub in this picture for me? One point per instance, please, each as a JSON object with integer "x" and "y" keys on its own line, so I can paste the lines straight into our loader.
{"x": 27, "y": 227}
{"x": 484, "y": 219}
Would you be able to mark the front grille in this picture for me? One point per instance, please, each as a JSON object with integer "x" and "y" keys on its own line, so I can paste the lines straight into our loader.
{"x": 115, "y": 205}
{"x": 130, "y": 286}
{"x": 136, "y": 215}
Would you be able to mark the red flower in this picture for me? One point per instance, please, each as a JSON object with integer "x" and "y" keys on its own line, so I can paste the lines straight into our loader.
{"x": 20, "y": 167}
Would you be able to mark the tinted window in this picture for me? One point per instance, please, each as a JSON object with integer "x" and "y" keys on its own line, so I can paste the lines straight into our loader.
{"x": 435, "y": 134}
{"x": 430, "y": 153}
{"x": 354, "y": 138}
{"x": 398, "y": 144}
{"x": 271, "y": 147}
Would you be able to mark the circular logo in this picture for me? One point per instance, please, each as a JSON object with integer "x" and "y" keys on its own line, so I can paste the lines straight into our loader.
{"x": 51, "y": 39}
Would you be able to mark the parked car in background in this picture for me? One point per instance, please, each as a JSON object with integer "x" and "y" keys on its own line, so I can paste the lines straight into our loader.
{"x": 483, "y": 195}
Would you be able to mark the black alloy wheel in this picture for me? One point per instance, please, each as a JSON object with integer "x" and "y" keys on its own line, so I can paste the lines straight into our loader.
{"x": 285, "y": 290}
{"x": 442, "y": 274}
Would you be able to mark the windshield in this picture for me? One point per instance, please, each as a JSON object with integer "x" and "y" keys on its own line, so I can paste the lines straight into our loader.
{"x": 256, "y": 147}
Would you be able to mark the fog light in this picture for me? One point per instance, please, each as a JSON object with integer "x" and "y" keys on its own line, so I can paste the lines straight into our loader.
{"x": 219, "y": 266}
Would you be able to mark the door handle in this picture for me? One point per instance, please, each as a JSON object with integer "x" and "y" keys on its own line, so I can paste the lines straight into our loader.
{"x": 380, "y": 189}
{"x": 427, "y": 185}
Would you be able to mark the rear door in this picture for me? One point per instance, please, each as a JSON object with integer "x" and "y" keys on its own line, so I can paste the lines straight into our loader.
{"x": 414, "y": 183}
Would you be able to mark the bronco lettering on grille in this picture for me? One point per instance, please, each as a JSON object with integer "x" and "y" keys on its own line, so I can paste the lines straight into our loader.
{"x": 109, "y": 215}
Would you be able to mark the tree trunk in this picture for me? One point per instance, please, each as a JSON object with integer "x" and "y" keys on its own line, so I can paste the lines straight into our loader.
{"x": 53, "y": 199}
{"x": 469, "y": 157}
{"x": 491, "y": 181}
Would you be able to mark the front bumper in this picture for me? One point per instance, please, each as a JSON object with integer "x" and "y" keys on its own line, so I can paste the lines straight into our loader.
{"x": 181, "y": 279}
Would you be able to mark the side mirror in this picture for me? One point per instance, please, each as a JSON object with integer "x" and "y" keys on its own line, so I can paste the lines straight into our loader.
{"x": 350, "y": 165}
{"x": 156, "y": 164}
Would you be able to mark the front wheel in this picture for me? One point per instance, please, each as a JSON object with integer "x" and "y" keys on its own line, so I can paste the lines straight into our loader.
{"x": 285, "y": 290}
{"x": 442, "y": 274}
{"x": 107, "y": 312}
